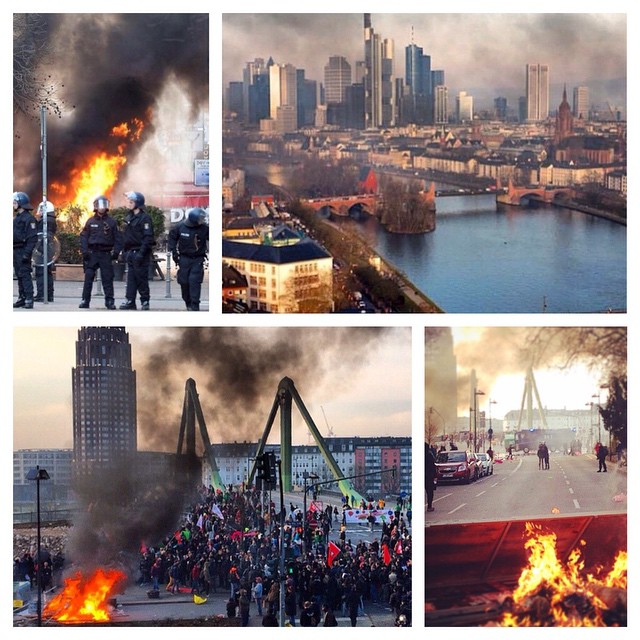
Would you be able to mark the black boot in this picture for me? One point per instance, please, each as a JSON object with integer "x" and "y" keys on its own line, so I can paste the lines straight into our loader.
{"x": 38, "y": 298}
{"x": 145, "y": 305}
{"x": 128, "y": 305}
{"x": 109, "y": 304}
{"x": 84, "y": 304}
{"x": 18, "y": 303}
{"x": 28, "y": 304}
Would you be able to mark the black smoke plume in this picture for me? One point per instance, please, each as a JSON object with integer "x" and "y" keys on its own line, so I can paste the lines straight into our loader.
{"x": 237, "y": 372}
{"x": 108, "y": 69}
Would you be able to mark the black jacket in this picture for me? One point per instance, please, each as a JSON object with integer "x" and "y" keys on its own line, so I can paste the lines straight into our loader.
{"x": 25, "y": 233}
{"x": 100, "y": 233}
{"x": 189, "y": 241}
{"x": 138, "y": 232}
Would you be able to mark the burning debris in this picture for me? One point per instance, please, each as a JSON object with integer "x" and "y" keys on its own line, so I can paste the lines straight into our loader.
{"x": 110, "y": 71}
{"x": 85, "y": 598}
{"x": 551, "y": 593}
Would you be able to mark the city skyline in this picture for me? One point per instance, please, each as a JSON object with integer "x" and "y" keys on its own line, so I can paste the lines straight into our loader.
{"x": 336, "y": 372}
{"x": 557, "y": 40}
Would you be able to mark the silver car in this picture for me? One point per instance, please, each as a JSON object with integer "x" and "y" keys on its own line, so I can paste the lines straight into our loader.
{"x": 485, "y": 464}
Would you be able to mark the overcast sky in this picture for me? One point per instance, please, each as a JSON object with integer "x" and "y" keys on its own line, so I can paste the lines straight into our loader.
{"x": 360, "y": 379}
{"x": 488, "y": 50}
{"x": 495, "y": 354}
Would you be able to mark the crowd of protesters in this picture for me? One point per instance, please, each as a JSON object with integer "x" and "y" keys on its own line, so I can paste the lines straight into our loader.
{"x": 230, "y": 543}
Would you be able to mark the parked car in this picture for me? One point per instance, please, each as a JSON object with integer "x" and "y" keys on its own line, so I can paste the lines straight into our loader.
{"x": 456, "y": 466}
{"x": 486, "y": 464}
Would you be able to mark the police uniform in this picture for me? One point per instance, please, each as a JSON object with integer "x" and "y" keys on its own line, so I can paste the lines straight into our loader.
{"x": 188, "y": 242}
{"x": 100, "y": 242}
{"x": 52, "y": 226}
{"x": 138, "y": 244}
{"x": 25, "y": 238}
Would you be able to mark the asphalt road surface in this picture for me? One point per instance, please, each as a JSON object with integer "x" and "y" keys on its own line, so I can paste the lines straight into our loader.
{"x": 519, "y": 490}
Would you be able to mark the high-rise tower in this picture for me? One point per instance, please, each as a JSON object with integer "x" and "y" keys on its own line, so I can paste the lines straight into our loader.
{"x": 537, "y": 92}
{"x": 104, "y": 399}
{"x": 581, "y": 103}
{"x": 379, "y": 85}
{"x": 337, "y": 77}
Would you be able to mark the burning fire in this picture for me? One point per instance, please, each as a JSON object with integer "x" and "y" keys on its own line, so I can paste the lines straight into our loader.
{"x": 84, "y": 598}
{"x": 551, "y": 593}
{"x": 101, "y": 171}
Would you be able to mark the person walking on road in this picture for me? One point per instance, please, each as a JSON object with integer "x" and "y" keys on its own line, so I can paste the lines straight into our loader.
{"x": 601, "y": 453}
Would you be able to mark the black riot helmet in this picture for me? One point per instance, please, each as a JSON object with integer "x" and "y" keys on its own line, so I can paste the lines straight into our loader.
{"x": 101, "y": 202}
{"x": 22, "y": 199}
{"x": 195, "y": 217}
{"x": 136, "y": 197}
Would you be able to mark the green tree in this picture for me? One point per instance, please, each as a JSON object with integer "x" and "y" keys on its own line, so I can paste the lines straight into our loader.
{"x": 157, "y": 218}
{"x": 614, "y": 413}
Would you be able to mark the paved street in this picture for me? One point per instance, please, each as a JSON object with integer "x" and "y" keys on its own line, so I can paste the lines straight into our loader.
{"x": 68, "y": 294}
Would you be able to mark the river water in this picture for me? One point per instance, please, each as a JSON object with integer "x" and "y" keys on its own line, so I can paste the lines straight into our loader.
{"x": 489, "y": 258}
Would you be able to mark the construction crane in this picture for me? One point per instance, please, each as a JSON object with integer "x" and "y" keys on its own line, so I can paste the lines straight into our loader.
{"x": 329, "y": 429}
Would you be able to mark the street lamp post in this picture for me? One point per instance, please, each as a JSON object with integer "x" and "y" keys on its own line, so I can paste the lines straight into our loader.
{"x": 490, "y": 432}
{"x": 306, "y": 476}
{"x": 476, "y": 393}
{"x": 38, "y": 474}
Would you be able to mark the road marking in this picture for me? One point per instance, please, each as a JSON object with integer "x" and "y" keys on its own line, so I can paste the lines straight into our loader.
{"x": 576, "y": 504}
{"x": 566, "y": 481}
{"x": 446, "y": 495}
{"x": 477, "y": 494}
{"x": 570, "y": 490}
{"x": 464, "y": 504}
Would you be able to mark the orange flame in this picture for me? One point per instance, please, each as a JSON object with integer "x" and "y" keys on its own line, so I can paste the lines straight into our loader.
{"x": 84, "y": 599}
{"x": 101, "y": 171}
{"x": 546, "y": 575}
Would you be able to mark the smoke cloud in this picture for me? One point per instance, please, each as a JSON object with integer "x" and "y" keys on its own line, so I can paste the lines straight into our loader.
{"x": 108, "y": 69}
{"x": 497, "y": 351}
{"x": 237, "y": 372}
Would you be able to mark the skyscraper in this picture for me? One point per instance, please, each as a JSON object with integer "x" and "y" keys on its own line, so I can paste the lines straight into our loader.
{"x": 337, "y": 77}
{"x": 104, "y": 399}
{"x": 537, "y": 92}
{"x": 379, "y": 86}
{"x": 418, "y": 78}
{"x": 441, "y": 104}
{"x": 283, "y": 96}
{"x": 581, "y": 103}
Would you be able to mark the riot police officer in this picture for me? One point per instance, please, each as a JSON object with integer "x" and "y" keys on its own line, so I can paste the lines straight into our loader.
{"x": 101, "y": 243}
{"x": 138, "y": 245}
{"x": 189, "y": 242}
{"x": 25, "y": 238}
{"x": 52, "y": 226}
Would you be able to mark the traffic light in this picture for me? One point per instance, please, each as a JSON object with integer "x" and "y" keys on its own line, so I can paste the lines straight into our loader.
{"x": 262, "y": 467}
{"x": 266, "y": 467}
{"x": 271, "y": 467}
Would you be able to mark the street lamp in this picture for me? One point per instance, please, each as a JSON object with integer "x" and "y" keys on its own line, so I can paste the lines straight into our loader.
{"x": 476, "y": 393}
{"x": 306, "y": 476}
{"x": 38, "y": 474}
{"x": 490, "y": 431}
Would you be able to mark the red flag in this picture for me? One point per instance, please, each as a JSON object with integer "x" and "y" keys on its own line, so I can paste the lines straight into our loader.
{"x": 386, "y": 556}
{"x": 398, "y": 547}
{"x": 332, "y": 551}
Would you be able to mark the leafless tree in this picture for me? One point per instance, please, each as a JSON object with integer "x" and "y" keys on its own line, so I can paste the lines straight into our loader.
{"x": 32, "y": 50}
{"x": 605, "y": 347}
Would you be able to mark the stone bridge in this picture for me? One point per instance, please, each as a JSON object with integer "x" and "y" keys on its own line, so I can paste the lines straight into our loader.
{"x": 519, "y": 195}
